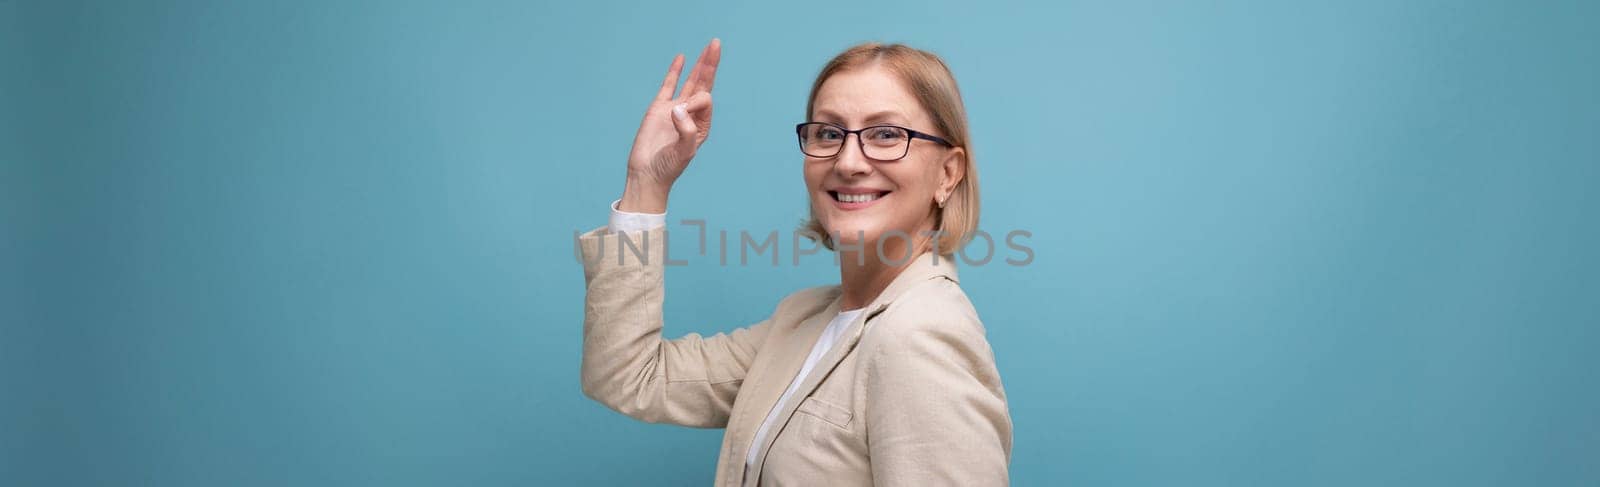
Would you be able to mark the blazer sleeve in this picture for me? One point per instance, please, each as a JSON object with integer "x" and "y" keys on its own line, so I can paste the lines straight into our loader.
{"x": 936, "y": 410}
{"x": 627, "y": 365}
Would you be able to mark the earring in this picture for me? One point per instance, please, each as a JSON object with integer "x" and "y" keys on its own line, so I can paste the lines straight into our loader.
{"x": 941, "y": 202}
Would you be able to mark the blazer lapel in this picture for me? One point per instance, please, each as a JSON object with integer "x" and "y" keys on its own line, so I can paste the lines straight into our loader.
{"x": 921, "y": 268}
{"x": 781, "y": 365}
{"x": 788, "y": 359}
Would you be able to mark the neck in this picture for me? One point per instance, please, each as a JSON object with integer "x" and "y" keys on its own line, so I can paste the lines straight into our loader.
{"x": 863, "y": 274}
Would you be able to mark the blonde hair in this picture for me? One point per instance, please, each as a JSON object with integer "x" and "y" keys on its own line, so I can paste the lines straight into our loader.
{"x": 933, "y": 86}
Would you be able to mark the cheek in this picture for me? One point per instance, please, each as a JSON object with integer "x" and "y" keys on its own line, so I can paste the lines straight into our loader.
{"x": 916, "y": 181}
{"x": 813, "y": 174}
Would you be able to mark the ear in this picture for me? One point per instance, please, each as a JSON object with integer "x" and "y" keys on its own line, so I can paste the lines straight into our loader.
{"x": 952, "y": 171}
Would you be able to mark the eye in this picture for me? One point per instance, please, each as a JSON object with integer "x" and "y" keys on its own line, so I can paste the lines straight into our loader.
{"x": 829, "y": 133}
{"x": 886, "y": 134}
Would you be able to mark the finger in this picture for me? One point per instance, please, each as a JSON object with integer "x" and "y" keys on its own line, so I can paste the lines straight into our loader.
{"x": 697, "y": 102}
{"x": 672, "y": 79}
{"x": 693, "y": 82}
{"x": 705, "y": 65}
{"x": 708, "y": 76}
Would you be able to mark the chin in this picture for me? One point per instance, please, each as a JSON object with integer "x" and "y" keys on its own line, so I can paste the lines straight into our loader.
{"x": 855, "y": 234}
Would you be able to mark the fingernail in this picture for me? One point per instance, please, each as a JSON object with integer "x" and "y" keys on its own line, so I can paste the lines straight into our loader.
{"x": 681, "y": 111}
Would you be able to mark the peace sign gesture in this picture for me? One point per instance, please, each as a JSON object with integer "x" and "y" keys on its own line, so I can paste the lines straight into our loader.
{"x": 672, "y": 130}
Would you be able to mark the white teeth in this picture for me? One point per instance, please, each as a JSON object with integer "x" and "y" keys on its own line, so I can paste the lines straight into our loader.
{"x": 857, "y": 198}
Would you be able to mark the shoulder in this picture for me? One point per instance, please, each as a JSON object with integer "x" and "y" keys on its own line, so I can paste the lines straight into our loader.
{"x": 929, "y": 343}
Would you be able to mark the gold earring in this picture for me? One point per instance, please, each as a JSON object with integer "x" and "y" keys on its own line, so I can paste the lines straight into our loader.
{"x": 941, "y": 202}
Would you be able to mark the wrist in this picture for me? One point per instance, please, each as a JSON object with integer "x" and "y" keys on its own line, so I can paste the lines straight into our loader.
{"x": 643, "y": 197}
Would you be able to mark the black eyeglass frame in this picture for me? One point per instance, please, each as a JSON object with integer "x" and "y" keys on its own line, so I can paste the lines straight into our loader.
{"x": 799, "y": 132}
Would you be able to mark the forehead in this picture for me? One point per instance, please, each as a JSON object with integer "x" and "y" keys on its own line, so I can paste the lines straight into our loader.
{"x": 866, "y": 95}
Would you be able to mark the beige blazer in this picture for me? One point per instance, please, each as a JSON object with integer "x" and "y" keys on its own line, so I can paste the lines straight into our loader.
{"x": 909, "y": 394}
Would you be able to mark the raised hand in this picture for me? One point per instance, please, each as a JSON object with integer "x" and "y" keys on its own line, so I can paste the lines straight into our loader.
{"x": 674, "y": 126}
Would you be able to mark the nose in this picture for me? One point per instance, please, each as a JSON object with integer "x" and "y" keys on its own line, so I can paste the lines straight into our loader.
{"x": 851, "y": 161}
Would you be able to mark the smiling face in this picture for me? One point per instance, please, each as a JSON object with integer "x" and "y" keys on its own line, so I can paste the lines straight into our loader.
{"x": 860, "y": 200}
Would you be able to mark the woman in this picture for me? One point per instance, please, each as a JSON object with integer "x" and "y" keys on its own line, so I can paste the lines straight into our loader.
{"x": 885, "y": 378}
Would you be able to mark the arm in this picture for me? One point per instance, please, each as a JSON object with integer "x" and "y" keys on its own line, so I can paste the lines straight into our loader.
{"x": 627, "y": 366}
{"x": 936, "y": 411}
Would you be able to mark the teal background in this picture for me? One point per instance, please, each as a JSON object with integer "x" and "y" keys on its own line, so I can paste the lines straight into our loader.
{"x": 329, "y": 243}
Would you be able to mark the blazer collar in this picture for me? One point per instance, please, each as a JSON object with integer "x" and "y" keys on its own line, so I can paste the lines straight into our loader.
{"x": 924, "y": 267}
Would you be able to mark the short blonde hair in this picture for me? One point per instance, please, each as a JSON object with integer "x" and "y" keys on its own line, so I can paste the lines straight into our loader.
{"x": 933, "y": 86}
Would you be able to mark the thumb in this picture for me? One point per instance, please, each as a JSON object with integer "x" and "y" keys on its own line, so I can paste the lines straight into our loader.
{"x": 685, "y": 125}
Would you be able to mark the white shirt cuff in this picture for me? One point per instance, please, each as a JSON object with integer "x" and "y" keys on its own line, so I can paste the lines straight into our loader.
{"x": 623, "y": 221}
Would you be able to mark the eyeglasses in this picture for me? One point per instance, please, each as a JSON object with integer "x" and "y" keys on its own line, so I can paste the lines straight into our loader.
{"x": 878, "y": 142}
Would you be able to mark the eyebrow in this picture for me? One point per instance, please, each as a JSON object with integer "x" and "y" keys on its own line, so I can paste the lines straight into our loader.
{"x": 885, "y": 116}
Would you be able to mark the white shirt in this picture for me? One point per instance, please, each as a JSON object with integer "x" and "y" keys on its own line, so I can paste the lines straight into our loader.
{"x": 632, "y": 222}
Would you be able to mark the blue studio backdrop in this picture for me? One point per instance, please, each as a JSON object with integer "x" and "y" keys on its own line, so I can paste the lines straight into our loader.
{"x": 330, "y": 243}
